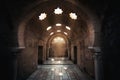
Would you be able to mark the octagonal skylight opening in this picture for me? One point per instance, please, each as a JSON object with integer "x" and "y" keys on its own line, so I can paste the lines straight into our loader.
{"x": 48, "y": 28}
{"x": 68, "y": 28}
{"x": 73, "y": 16}
{"x": 58, "y": 24}
{"x": 42, "y": 16}
{"x": 58, "y": 11}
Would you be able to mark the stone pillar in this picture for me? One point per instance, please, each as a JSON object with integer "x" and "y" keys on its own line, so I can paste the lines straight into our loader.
{"x": 45, "y": 49}
{"x": 97, "y": 62}
{"x": 69, "y": 53}
{"x": 47, "y": 53}
{"x": 98, "y": 66}
{"x": 15, "y": 52}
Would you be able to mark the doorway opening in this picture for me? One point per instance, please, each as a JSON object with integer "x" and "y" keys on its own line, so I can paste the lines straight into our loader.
{"x": 40, "y": 54}
{"x": 58, "y": 47}
{"x": 75, "y": 54}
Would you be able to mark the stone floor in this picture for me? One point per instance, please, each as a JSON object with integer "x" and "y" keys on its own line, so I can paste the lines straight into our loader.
{"x": 58, "y": 61}
{"x": 58, "y": 69}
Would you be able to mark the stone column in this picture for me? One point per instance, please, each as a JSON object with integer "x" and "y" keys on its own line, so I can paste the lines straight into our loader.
{"x": 97, "y": 62}
{"x": 69, "y": 53}
{"x": 15, "y": 52}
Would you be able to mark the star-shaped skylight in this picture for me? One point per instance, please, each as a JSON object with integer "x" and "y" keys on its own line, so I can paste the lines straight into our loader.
{"x": 73, "y": 16}
{"x": 42, "y": 16}
{"x": 58, "y": 11}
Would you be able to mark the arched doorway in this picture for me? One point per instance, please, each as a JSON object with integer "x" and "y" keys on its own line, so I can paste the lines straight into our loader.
{"x": 58, "y": 47}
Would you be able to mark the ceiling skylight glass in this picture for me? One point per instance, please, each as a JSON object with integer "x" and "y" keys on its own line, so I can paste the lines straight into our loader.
{"x": 58, "y": 30}
{"x": 51, "y": 33}
{"x": 65, "y": 33}
{"x": 42, "y": 16}
{"x": 73, "y": 16}
{"x": 58, "y": 24}
{"x": 67, "y": 27}
{"x": 48, "y": 28}
{"x": 58, "y": 11}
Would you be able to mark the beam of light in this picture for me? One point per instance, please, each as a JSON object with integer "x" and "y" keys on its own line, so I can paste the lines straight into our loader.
{"x": 58, "y": 11}
{"x": 73, "y": 16}
{"x": 42, "y": 16}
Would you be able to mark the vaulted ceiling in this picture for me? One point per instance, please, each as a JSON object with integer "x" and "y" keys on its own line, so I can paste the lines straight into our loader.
{"x": 78, "y": 27}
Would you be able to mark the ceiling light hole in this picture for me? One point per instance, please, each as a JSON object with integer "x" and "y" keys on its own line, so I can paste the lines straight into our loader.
{"x": 73, "y": 16}
{"x": 42, "y": 16}
{"x": 58, "y": 11}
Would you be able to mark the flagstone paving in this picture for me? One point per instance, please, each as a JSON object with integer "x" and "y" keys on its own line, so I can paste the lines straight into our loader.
{"x": 58, "y": 71}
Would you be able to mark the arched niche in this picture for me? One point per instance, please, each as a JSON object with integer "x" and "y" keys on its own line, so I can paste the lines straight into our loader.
{"x": 51, "y": 44}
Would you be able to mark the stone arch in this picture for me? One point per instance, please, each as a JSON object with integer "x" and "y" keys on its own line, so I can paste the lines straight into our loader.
{"x": 48, "y": 43}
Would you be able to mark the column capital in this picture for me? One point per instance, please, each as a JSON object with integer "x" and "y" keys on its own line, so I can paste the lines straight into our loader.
{"x": 95, "y": 49}
{"x": 15, "y": 51}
